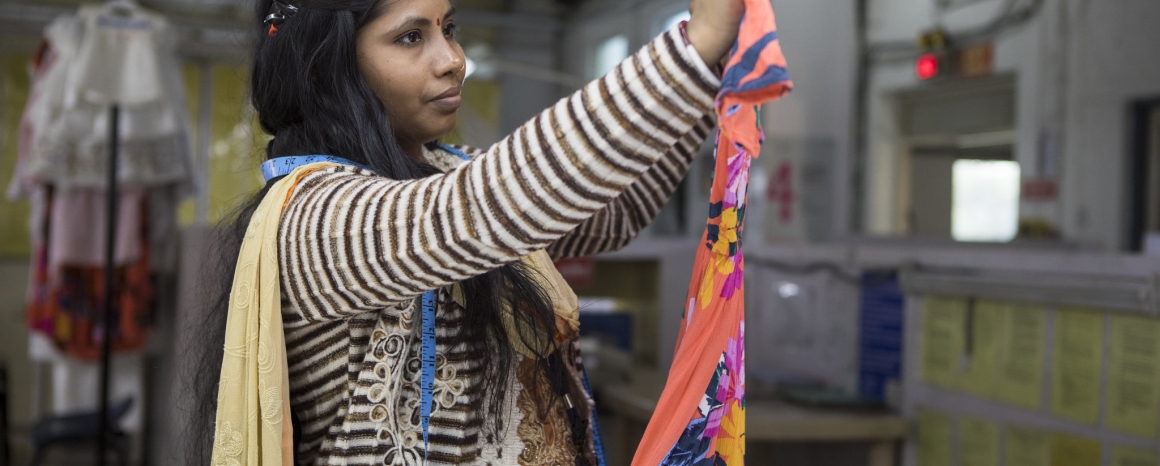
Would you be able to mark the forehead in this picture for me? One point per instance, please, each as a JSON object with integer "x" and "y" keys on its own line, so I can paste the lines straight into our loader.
{"x": 392, "y": 11}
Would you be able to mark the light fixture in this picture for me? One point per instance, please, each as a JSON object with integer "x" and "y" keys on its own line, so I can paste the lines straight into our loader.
{"x": 927, "y": 66}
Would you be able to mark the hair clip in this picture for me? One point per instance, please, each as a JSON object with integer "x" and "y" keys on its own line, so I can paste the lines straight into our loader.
{"x": 281, "y": 12}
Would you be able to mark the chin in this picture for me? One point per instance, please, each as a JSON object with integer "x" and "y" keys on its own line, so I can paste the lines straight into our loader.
{"x": 444, "y": 128}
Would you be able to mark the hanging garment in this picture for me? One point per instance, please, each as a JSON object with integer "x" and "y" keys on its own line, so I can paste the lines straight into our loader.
{"x": 101, "y": 56}
{"x": 100, "y": 59}
{"x": 64, "y": 302}
{"x": 700, "y": 417}
{"x": 43, "y": 60}
{"x": 79, "y": 217}
{"x": 66, "y": 291}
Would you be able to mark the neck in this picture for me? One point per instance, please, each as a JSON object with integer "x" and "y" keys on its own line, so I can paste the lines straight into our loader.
{"x": 413, "y": 150}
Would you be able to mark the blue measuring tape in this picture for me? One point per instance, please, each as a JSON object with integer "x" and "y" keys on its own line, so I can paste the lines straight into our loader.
{"x": 597, "y": 438}
{"x": 282, "y": 166}
{"x": 427, "y": 356}
{"x": 427, "y": 370}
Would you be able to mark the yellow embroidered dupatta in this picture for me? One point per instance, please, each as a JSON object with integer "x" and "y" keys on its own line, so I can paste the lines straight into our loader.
{"x": 253, "y": 425}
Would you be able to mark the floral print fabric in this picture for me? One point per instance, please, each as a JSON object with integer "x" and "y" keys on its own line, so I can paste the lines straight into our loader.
{"x": 700, "y": 417}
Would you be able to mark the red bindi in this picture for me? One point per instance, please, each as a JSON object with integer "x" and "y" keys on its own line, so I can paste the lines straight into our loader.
{"x": 438, "y": 22}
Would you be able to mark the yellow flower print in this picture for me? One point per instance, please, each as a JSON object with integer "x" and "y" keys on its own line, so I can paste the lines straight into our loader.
{"x": 724, "y": 264}
{"x": 726, "y": 233}
{"x": 731, "y": 438}
{"x": 706, "y": 291}
{"x": 721, "y": 248}
{"x": 729, "y": 225}
{"x": 718, "y": 264}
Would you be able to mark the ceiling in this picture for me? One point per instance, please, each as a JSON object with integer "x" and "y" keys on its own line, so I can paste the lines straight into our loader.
{"x": 215, "y": 29}
{"x": 227, "y": 10}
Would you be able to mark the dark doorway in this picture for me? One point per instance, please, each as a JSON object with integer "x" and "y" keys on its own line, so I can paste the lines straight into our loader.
{"x": 1144, "y": 172}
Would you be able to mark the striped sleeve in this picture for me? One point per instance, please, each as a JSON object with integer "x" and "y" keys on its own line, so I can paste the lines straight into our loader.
{"x": 614, "y": 226}
{"x": 351, "y": 243}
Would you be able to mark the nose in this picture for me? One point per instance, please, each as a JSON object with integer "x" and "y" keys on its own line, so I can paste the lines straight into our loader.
{"x": 450, "y": 60}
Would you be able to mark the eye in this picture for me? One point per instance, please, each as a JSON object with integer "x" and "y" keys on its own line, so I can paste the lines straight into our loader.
{"x": 409, "y": 38}
{"x": 450, "y": 29}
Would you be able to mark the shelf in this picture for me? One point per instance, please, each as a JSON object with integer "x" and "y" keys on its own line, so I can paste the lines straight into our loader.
{"x": 1113, "y": 281}
{"x": 1110, "y": 292}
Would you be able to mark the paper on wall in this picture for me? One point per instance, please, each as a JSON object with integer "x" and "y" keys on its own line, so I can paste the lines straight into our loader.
{"x": 1073, "y": 450}
{"x": 1123, "y": 455}
{"x": 935, "y": 436}
{"x": 1133, "y": 404}
{"x": 1075, "y": 370}
{"x": 943, "y": 339}
{"x": 978, "y": 442}
{"x": 982, "y": 347}
{"x": 1020, "y": 377}
{"x": 1025, "y": 446}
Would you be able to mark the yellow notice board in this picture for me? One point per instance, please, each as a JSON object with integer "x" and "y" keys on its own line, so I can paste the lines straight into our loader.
{"x": 1072, "y": 450}
{"x": 991, "y": 349}
{"x": 980, "y": 355}
{"x": 1075, "y": 370}
{"x": 943, "y": 340}
{"x": 978, "y": 442}
{"x": 1131, "y": 456}
{"x": 1133, "y": 404}
{"x": 1024, "y": 334}
{"x": 1027, "y": 447}
{"x": 935, "y": 438}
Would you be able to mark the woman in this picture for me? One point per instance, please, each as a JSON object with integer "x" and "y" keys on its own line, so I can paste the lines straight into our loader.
{"x": 376, "y": 82}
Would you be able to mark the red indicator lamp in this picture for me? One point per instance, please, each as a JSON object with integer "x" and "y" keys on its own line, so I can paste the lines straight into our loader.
{"x": 926, "y": 66}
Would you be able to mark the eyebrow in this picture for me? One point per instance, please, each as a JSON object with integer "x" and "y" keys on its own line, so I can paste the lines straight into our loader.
{"x": 421, "y": 21}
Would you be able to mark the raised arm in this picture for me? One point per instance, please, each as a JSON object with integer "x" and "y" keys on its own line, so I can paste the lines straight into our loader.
{"x": 351, "y": 242}
{"x": 614, "y": 226}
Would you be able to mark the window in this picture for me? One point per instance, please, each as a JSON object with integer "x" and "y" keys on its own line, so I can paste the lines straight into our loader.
{"x": 985, "y": 200}
{"x": 609, "y": 53}
{"x": 956, "y": 144}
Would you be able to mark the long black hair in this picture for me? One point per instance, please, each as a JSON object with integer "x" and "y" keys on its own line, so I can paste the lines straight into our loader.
{"x": 310, "y": 96}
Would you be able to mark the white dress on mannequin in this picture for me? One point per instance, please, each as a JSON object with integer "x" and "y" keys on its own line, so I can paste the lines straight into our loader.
{"x": 105, "y": 59}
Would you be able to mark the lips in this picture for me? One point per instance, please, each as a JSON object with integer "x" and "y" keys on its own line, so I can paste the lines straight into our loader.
{"x": 449, "y": 99}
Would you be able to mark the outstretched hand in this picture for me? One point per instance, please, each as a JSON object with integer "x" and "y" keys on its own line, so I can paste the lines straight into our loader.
{"x": 713, "y": 26}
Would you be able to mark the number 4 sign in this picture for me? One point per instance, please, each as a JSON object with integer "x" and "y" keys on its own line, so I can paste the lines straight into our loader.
{"x": 781, "y": 191}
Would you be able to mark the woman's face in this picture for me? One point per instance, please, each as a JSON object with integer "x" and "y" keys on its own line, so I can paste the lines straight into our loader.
{"x": 410, "y": 59}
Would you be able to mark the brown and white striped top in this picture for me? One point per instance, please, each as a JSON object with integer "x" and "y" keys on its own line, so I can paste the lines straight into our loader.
{"x": 356, "y": 250}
